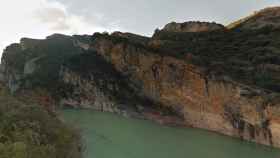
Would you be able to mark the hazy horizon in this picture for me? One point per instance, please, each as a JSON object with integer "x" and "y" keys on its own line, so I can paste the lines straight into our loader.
{"x": 40, "y": 18}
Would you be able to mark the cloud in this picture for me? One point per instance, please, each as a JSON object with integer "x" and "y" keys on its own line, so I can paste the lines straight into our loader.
{"x": 57, "y": 18}
{"x": 143, "y": 16}
{"x": 40, "y": 18}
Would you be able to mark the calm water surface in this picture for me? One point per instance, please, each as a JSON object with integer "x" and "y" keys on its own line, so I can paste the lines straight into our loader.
{"x": 111, "y": 136}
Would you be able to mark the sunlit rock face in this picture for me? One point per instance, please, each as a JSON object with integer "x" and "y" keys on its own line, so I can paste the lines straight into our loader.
{"x": 191, "y": 74}
{"x": 213, "y": 102}
{"x": 192, "y": 27}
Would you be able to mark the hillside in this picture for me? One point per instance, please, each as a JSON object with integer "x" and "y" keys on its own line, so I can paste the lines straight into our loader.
{"x": 250, "y": 57}
{"x": 259, "y": 19}
{"x": 194, "y": 74}
{"x": 27, "y": 130}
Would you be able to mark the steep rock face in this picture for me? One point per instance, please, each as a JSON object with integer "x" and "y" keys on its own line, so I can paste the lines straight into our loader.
{"x": 85, "y": 94}
{"x": 211, "y": 102}
{"x": 90, "y": 82}
{"x": 192, "y": 27}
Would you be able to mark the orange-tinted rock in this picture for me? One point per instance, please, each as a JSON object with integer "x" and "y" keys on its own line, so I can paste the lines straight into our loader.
{"x": 205, "y": 101}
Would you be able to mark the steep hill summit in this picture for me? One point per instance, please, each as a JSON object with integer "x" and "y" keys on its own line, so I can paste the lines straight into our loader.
{"x": 268, "y": 17}
{"x": 192, "y": 27}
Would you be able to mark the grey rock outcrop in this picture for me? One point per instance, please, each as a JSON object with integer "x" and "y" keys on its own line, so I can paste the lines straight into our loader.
{"x": 192, "y": 27}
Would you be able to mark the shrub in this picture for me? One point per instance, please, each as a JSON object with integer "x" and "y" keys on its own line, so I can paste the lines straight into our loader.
{"x": 29, "y": 131}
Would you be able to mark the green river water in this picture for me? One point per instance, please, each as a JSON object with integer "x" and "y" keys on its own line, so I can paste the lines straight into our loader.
{"x": 111, "y": 136}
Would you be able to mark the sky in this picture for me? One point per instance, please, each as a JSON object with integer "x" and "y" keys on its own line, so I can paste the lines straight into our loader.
{"x": 40, "y": 18}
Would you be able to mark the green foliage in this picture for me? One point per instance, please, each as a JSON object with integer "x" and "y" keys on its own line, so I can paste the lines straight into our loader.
{"x": 235, "y": 53}
{"x": 28, "y": 131}
{"x": 265, "y": 79}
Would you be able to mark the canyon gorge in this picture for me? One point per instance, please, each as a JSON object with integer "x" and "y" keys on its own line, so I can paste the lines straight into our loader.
{"x": 224, "y": 79}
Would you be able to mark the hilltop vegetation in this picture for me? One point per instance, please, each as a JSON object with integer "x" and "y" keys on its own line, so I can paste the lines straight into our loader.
{"x": 266, "y": 17}
{"x": 248, "y": 56}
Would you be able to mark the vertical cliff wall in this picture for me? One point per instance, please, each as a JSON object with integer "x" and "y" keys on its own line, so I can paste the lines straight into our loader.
{"x": 205, "y": 100}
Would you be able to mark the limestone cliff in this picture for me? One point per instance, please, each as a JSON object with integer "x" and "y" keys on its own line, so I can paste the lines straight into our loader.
{"x": 204, "y": 99}
{"x": 191, "y": 74}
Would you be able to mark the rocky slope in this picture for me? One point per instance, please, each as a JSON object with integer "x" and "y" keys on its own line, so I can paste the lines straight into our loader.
{"x": 193, "y": 74}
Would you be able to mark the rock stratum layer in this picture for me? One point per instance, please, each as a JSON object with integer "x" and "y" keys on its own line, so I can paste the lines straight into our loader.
{"x": 193, "y": 74}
